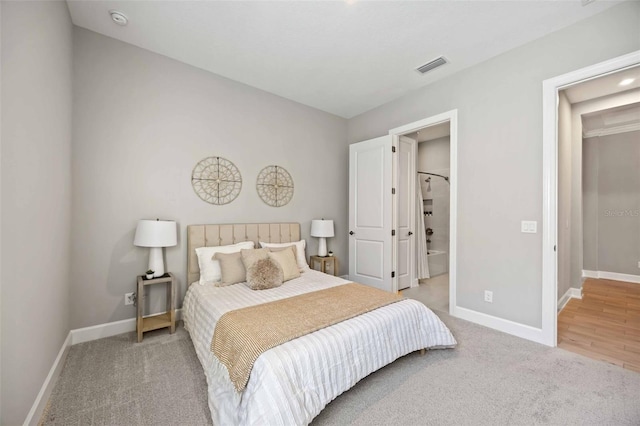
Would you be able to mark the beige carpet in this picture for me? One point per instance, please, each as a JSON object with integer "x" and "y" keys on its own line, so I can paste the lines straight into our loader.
{"x": 490, "y": 379}
{"x": 116, "y": 381}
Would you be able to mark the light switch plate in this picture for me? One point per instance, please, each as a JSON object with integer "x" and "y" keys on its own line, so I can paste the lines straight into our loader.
{"x": 529, "y": 226}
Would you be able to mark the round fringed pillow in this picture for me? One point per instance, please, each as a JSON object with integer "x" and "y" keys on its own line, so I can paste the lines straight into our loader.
{"x": 264, "y": 274}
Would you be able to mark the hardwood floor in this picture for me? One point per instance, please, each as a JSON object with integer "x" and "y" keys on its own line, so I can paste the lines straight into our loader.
{"x": 604, "y": 324}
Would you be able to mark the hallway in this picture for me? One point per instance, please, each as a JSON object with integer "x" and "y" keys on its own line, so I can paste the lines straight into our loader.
{"x": 604, "y": 324}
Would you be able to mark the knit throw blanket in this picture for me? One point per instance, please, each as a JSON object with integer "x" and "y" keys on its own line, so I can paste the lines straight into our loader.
{"x": 242, "y": 335}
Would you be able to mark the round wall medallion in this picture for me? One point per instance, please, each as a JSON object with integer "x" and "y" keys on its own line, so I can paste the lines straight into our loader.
{"x": 275, "y": 186}
{"x": 216, "y": 180}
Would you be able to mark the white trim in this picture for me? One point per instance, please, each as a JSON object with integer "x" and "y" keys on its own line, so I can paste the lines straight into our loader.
{"x": 572, "y": 293}
{"x": 100, "y": 331}
{"x": 506, "y": 326}
{"x": 95, "y": 332}
{"x": 615, "y": 276}
{"x": 37, "y": 409}
{"x": 452, "y": 118}
{"x": 619, "y": 277}
{"x": 550, "y": 89}
{"x": 611, "y": 130}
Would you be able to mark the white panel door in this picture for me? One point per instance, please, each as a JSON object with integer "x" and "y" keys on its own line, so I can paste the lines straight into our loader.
{"x": 370, "y": 213}
{"x": 406, "y": 192}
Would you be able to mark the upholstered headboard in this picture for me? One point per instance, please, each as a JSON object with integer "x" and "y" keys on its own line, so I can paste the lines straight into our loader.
{"x": 222, "y": 235}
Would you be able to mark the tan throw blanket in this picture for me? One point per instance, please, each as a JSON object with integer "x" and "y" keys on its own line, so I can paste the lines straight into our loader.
{"x": 241, "y": 336}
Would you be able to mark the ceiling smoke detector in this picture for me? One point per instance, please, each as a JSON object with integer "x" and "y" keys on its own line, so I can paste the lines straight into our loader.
{"x": 119, "y": 17}
{"x": 431, "y": 65}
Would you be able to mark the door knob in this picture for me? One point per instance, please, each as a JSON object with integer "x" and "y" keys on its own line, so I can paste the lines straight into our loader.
{"x": 351, "y": 232}
{"x": 410, "y": 233}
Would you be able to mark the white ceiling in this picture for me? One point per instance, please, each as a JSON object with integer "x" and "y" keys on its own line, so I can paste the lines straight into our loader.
{"x": 343, "y": 57}
{"x": 432, "y": 132}
{"x": 602, "y": 86}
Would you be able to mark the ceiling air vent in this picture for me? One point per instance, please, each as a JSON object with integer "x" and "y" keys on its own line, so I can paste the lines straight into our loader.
{"x": 431, "y": 65}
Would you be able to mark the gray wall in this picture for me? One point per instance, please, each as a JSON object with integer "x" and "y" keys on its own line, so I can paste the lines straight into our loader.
{"x": 36, "y": 196}
{"x": 564, "y": 193}
{"x": 590, "y": 206}
{"x": 617, "y": 201}
{"x": 434, "y": 154}
{"x": 499, "y": 105}
{"x": 141, "y": 123}
{"x": 575, "y": 197}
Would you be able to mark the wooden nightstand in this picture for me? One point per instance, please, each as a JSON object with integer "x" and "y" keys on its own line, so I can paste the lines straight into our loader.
{"x": 323, "y": 263}
{"x": 168, "y": 319}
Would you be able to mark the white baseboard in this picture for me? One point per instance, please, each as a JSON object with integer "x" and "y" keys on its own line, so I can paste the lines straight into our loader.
{"x": 100, "y": 331}
{"x": 612, "y": 276}
{"x": 33, "y": 418}
{"x": 79, "y": 335}
{"x": 500, "y": 324}
{"x": 345, "y": 277}
{"x": 572, "y": 293}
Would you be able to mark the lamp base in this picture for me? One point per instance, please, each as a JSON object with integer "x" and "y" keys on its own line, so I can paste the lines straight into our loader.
{"x": 322, "y": 247}
{"x": 156, "y": 262}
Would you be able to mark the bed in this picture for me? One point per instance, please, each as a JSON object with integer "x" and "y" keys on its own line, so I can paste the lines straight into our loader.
{"x": 291, "y": 383}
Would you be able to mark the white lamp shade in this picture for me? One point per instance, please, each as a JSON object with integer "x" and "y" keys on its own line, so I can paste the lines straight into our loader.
{"x": 322, "y": 228}
{"x": 155, "y": 233}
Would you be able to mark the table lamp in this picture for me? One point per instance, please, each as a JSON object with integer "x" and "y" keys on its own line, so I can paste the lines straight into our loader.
{"x": 322, "y": 229}
{"x": 156, "y": 234}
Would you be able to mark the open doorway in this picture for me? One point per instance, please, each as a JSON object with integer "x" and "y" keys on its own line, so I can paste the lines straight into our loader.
{"x": 431, "y": 283}
{"x": 599, "y": 217}
{"x": 431, "y": 190}
{"x": 566, "y": 206}
{"x": 379, "y": 168}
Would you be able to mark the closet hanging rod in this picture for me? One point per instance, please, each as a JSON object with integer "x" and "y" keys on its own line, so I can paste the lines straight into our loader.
{"x": 434, "y": 174}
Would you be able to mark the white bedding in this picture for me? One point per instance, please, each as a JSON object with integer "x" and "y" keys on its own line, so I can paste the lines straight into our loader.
{"x": 291, "y": 383}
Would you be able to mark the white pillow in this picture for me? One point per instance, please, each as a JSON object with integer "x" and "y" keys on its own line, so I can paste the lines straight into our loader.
{"x": 301, "y": 259}
{"x": 210, "y": 271}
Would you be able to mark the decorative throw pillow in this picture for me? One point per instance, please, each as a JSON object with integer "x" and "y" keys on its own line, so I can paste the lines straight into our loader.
{"x": 210, "y": 267}
{"x": 249, "y": 257}
{"x": 295, "y": 252}
{"x": 287, "y": 261}
{"x": 294, "y": 248}
{"x": 264, "y": 274}
{"x": 300, "y": 253}
{"x": 233, "y": 271}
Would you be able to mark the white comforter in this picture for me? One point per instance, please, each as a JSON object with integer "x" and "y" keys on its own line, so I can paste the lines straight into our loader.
{"x": 291, "y": 383}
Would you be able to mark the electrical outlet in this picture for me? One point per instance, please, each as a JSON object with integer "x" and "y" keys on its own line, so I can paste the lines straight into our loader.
{"x": 488, "y": 296}
{"x": 129, "y": 298}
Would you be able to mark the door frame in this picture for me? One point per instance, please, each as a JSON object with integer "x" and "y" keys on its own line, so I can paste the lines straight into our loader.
{"x": 452, "y": 117}
{"x": 550, "y": 88}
